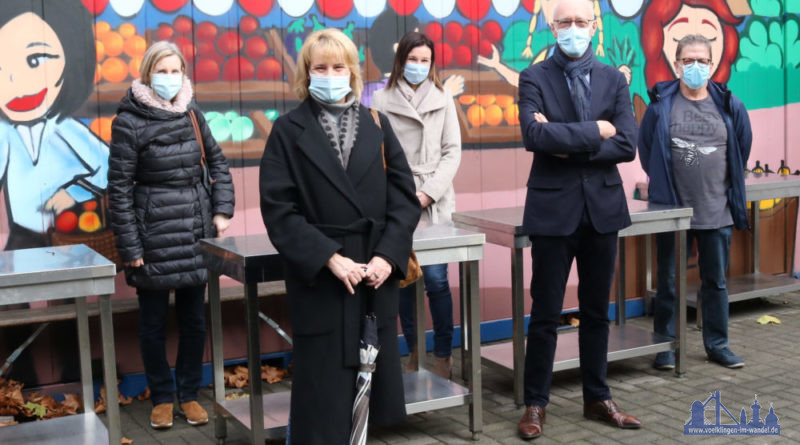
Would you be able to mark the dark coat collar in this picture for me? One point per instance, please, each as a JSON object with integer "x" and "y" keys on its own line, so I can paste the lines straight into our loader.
{"x": 314, "y": 144}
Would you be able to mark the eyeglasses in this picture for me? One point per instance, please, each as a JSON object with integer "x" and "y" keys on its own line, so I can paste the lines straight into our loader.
{"x": 566, "y": 23}
{"x": 690, "y": 60}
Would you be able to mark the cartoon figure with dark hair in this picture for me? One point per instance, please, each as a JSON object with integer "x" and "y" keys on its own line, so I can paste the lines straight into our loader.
{"x": 381, "y": 44}
{"x": 665, "y": 22}
{"x": 46, "y": 73}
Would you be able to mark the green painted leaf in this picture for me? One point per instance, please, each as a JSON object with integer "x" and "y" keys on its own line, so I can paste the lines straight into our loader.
{"x": 297, "y": 26}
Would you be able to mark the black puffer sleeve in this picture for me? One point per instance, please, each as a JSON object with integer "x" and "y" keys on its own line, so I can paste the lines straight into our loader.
{"x": 122, "y": 162}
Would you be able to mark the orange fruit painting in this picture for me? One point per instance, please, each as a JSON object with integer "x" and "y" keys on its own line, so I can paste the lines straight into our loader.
{"x": 89, "y": 222}
{"x": 101, "y": 29}
{"x": 134, "y": 65}
{"x": 135, "y": 46}
{"x": 466, "y": 99}
{"x": 102, "y": 128}
{"x": 114, "y": 69}
{"x": 485, "y": 100}
{"x": 113, "y": 43}
{"x": 504, "y": 100}
{"x": 494, "y": 115}
{"x": 512, "y": 115}
{"x": 476, "y": 115}
{"x": 127, "y": 30}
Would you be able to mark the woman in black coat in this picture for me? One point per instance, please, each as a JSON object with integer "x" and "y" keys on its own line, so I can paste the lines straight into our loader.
{"x": 161, "y": 206}
{"x": 343, "y": 224}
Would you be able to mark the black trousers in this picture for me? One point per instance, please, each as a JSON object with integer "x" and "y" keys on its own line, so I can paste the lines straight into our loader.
{"x": 595, "y": 254}
{"x": 190, "y": 311}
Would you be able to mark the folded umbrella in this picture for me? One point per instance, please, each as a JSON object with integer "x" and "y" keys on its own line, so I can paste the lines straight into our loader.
{"x": 368, "y": 352}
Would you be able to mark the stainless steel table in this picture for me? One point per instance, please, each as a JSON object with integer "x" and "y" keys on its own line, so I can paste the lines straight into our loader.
{"x": 758, "y": 187}
{"x": 503, "y": 226}
{"x": 56, "y": 273}
{"x": 252, "y": 259}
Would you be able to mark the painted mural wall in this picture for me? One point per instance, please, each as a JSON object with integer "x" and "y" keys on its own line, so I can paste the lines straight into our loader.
{"x": 64, "y": 65}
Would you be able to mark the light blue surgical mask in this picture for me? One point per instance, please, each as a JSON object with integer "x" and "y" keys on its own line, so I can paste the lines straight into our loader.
{"x": 167, "y": 85}
{"x": 574, "y": 40}
{"x": 416, "y": 73}
{"x": 330, "y": 89}
{"x": 696, "y": 74}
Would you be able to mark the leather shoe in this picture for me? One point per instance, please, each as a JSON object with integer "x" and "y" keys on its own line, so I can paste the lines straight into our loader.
{"x": 530, "y": 426}
{"x": 609, "y": 412}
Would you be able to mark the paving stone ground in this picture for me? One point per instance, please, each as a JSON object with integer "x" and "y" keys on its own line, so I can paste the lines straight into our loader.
{"x": 661, "y": 400}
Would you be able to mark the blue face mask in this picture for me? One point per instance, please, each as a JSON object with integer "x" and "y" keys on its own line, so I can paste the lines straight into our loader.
{"x": 167, "y": 85}
{"x": 330, "y": 89}
{"x": 696, "y": 75}
{"x": 574, "y": 41}
{"x": 416, "y": 73}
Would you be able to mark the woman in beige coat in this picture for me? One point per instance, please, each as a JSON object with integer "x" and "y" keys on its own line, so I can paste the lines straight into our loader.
{"x": 423, "y": 116}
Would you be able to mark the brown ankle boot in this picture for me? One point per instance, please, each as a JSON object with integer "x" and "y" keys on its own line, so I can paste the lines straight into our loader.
{"x": 443, "y": 366}
{"x": 413, "y": 362}
{"x": 161, "y": 416}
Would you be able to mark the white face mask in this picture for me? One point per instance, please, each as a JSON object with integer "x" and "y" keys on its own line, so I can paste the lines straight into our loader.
{"x": 330, "y": 89}
{"x": 574, "y": 40}
{"x": 167, "y": 85}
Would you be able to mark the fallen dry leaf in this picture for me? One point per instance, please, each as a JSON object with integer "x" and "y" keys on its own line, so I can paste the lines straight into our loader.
{"x": 272, "y": 374}
{"x": 145, "y": 395}
{"x": 768, "y": 319}
{"x": 100, "y": 405}
{"x": 72, "y": 403}
{"x": 126, "y": 441}
{"x": 237, "y": 395}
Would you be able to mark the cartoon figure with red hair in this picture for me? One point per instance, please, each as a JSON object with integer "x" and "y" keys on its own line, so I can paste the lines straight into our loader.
{"x": 665, "y": 22}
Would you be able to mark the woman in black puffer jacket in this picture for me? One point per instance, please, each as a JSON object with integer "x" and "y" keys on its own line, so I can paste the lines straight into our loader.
{"x": 161, "y": 206}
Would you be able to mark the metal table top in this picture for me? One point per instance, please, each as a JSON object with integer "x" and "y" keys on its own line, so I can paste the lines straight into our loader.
{"x": 503, "y": 225}
{"x": 74, "y": 271}
{"x": 253, "y": 257}
{"x": 78, "y": 429}
{"x": 760, "y": 186}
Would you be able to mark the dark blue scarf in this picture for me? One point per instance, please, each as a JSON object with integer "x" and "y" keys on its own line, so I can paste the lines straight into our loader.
{"x": 576, "y": 71}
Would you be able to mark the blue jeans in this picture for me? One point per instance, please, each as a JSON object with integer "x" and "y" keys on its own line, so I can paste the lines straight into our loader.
{"x": 440, "y": 301}
{"x": 713, "y": 249}
{"x": 190, "y": 311}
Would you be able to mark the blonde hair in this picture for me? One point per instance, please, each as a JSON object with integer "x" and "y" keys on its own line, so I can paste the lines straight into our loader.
{"x": 154, "y": 54}
{"x": 334, "y": 44}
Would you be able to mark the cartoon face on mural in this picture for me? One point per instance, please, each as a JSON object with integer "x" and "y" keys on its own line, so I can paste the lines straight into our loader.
{"x": 50, "y": 161}
{"x": 32, "y": 68}
{"x": 692, "y": 20}
{"x": 666, "y": 21}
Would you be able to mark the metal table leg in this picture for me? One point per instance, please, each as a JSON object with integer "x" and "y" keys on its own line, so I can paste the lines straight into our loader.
{"x": 680, "y": 311}
{"x": 84, "y": 353}
{"x": 518, "y": 324}
{"x": 465, "y": 328}
{"x": 621, "y": 285}
{"x": 110, "y": 369}
{"x": 419, "y": 322}
{"x": 254, "y": 362}
{"x": 215, "y": 309}
{"x": 648, "y": 276}
{"x": 756, "y": 242}
{"x": 472, "y": 348}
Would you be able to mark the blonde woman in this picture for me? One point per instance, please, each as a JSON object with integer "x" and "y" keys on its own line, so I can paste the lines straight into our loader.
{"x": 160, "y": 208}
{"x": 424, "y": 115}
{"x": 343, "y": 223}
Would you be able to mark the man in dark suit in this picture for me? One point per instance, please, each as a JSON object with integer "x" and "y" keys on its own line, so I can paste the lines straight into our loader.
{"x": 576, "y": 116}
